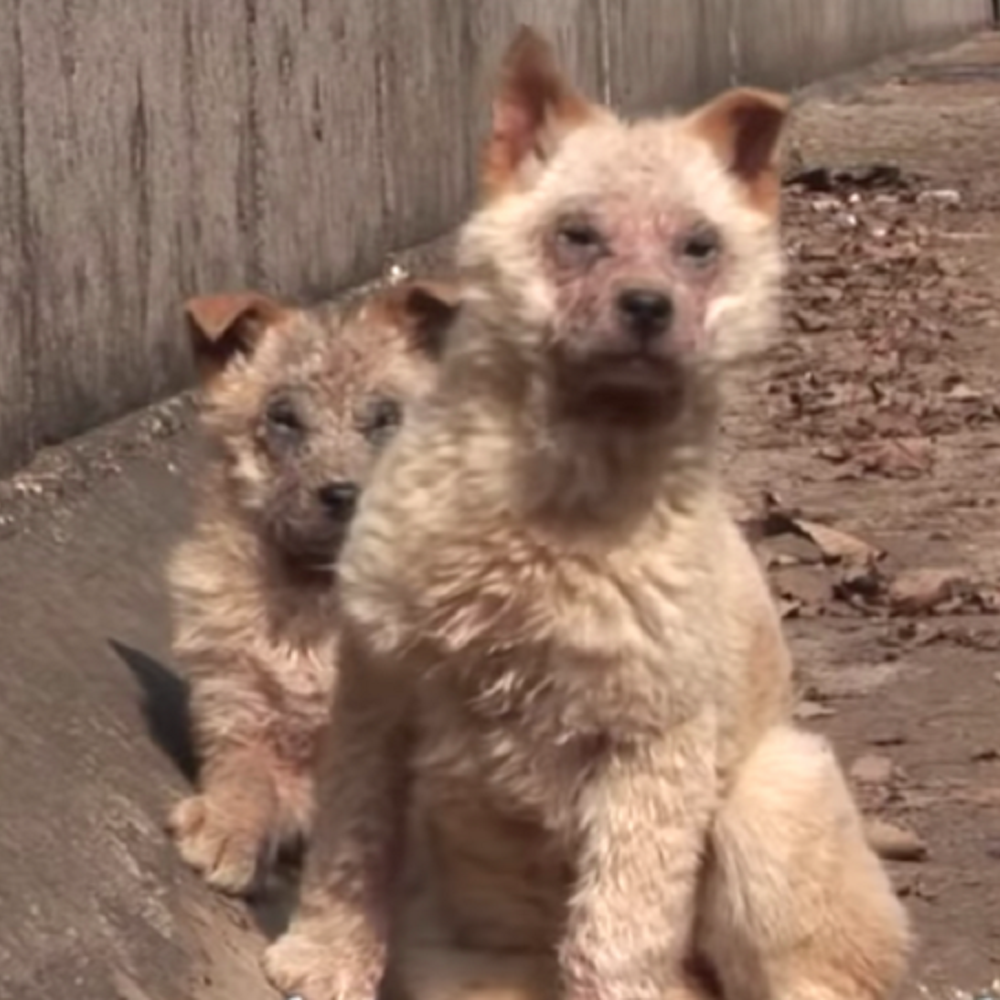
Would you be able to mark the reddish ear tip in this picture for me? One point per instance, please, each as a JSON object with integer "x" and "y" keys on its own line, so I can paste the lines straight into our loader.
{"x": 744, "y": 127}
{"x": 528, "y": 39}
{"x": 534, "y": 106}
{"x": 213, "y": 316}
{"x": 761, "y": 98}
{"x": 530, "y": 56}
{"x": 221, "y": 327}
{"x": 425, "y": 308}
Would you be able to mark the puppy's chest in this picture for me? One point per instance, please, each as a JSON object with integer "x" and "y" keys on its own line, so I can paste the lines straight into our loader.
{"x": 584, "y": 644}
{"x": 300, "y": 659}
{"x": 304, "y": 621}
{"x": 527, "y": 711}
{"x": 520, "y": 748}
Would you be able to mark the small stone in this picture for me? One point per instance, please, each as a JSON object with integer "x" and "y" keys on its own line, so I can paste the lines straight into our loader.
{"x": 946, "y": 196}
{"x": 806, "y": 711}
{"x": 887, "y": 739}
{"x": 790, "y": 549}
{"x": 873, "y": 769}
{"x": 893, "y": 843}
{"x": 810, "y": 320}
{"x": 963, "y": 393}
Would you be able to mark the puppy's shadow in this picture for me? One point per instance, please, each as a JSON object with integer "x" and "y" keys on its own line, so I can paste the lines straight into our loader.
{"x": 164, "y": 706}
{"x": 272, "y": 909}
{"x": 167, "y": 713}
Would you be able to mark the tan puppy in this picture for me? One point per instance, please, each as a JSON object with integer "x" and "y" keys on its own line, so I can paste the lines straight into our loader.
{"x": 565, "y": 696}
{"x": 297, "y": 404}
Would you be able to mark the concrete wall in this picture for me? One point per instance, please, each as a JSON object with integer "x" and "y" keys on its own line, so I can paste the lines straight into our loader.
{"x": 151, "y": 150}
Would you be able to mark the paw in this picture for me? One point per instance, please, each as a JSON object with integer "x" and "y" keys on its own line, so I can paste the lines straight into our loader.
{"x": 307, "y": 967}
{"x": 220, "y": 844}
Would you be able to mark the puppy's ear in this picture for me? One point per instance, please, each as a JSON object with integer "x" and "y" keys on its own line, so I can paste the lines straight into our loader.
{"x": 224, "y": 327}
{"x": 744, "y": 127}
{"x": 424, "y": 310}
{"x": 534, "y": 108}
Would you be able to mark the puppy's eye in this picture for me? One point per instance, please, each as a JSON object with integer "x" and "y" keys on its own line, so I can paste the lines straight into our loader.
{"x": 382, "y": 418}
{"x": 577, "y": 242}
{"x": 579, "y": 235}
{"x": 283, "y": 418}
{"x": 702, "y": 246}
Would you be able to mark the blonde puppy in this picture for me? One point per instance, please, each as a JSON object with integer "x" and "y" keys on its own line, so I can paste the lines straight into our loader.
{"x": 565, "y": 697}
{"x": 298, "y": 403}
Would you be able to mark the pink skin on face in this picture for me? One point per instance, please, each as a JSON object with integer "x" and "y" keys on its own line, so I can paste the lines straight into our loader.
{"x": 593, "y": 256}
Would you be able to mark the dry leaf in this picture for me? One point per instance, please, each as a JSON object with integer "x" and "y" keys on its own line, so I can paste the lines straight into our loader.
{"x": 838, "y": 546}
{"x": 897, "y": 458}
{"x": 918, "y": 591}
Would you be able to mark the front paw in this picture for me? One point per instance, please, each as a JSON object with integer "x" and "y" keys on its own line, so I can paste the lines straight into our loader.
{"x": 310, "y": 965}
{"x": 224, "y": 844}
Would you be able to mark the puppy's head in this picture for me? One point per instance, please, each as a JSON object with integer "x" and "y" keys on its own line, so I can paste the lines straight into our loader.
{"x": 621, "y": 255}
{"x": 299, "y": 402}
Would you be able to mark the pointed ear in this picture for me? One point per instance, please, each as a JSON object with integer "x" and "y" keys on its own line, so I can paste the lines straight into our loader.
{"x": 534, "y": 107}
{"x": 744, "y": 127}
{"x": 223, "y": 327}
{"x": 424, "y": 310}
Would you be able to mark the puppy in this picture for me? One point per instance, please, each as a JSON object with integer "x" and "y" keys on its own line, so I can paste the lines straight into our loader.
{"x": 298, "y": 404}
{"x": 565, "y": 699}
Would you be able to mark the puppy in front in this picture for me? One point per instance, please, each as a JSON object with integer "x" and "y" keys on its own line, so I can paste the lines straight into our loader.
{"x": 565, "y": 697}
{"x": 297, "y": 404}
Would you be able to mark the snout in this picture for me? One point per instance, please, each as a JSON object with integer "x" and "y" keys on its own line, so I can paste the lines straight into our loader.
{"x": 339, "y": 499}
{"x": 623, "y": 337}
{"x": 645, "y": 315}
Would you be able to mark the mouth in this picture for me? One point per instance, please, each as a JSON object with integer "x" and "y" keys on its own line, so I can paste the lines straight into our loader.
{"x": 317, "y": 549}
{"x": 633, "y": 388}
{"x": 638, "y": 370}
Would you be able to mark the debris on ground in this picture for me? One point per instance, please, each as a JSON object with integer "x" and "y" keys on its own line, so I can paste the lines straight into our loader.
{"x": 894, "y": 843}
{"x": 866, "y": 458}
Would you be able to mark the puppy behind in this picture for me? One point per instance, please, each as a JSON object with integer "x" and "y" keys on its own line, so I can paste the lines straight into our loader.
{"x": 562, "y": 664}
{"x": 297, "y": 405}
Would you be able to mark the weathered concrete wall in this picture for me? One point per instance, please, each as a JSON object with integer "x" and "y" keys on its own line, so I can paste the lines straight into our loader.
{"x": 151, "y": 150}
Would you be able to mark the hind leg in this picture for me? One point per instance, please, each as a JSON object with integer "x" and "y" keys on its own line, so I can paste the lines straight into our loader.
{"x": 796, "y": 906}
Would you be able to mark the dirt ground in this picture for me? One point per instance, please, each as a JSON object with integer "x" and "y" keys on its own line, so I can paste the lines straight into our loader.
{"x": 879, "y": 417}
{"x": 864, "y": 459}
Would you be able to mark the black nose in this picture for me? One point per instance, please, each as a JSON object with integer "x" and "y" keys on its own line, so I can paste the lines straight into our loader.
{"x": 339, "y": 498}
{"x": 647, "y": 312}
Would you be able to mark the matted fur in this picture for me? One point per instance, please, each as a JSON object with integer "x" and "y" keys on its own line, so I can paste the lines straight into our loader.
{"x": 565, "y": 702}
{"x": 294, "y": 401}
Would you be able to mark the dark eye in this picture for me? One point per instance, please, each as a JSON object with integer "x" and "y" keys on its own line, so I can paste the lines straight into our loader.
{"x": 382, "y": 418}
{"x": 579, "y": 235}
{"x": 702, "y": 246}
{"x": 283, "y": 418}
{"x": 577, "y": 241}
